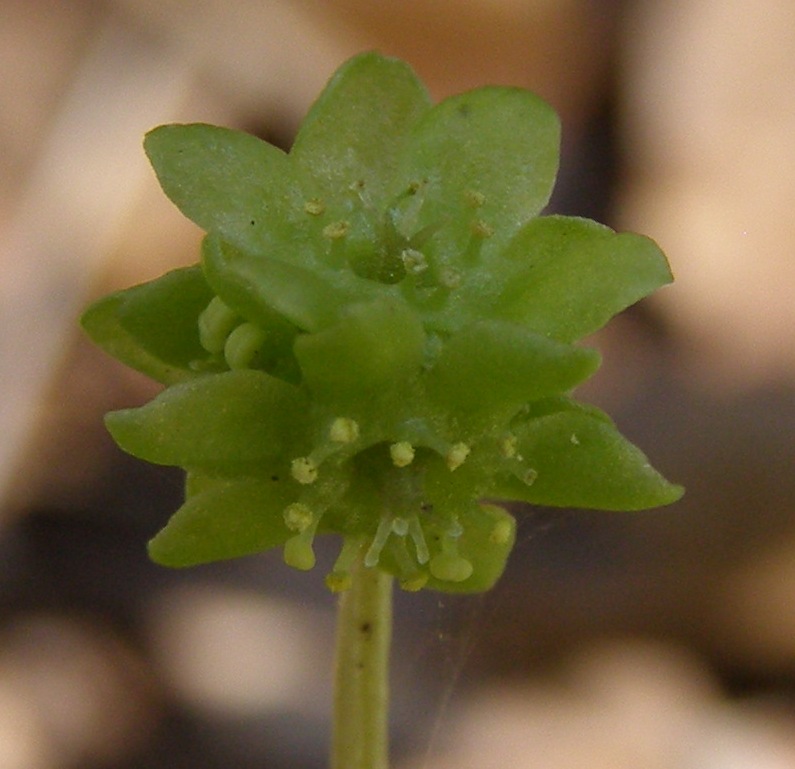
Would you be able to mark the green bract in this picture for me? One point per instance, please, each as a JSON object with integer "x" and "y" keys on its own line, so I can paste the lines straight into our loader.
{"x": 379, "y": 336}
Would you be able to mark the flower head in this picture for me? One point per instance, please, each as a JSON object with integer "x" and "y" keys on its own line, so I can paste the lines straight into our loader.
{"x": 380, "y": 335}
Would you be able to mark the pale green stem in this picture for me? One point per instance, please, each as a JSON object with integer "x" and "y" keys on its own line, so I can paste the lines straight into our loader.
{"x": 361, "y": 695}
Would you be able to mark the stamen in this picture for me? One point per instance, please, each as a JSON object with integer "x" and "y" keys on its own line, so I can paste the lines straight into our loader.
{"x": 402, "y": 453}
{"x": 344, "y": 430}
{"x": 411, "y": 578}
{"x": 304, "y": 470}
{"x": 456, "y": 455}
{"x": 379, "y": 540}
{"x": 501, "y": 532}
{"x": 339, "y": 578}
{"x": 418, "y": 537}
{"x": 298, "y": 517}
{"x": 414, "y": 583}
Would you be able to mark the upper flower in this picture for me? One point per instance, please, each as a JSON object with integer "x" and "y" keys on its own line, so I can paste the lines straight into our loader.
{"x": 380, "y": 335}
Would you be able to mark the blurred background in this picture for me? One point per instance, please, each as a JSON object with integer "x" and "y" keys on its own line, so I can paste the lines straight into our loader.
{"x": 662, "y": 640}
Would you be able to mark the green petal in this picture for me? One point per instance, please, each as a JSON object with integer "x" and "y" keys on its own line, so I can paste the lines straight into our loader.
{"x": 227, "y": 182}
{"x": 230, "y": 422}
{"x": 264, "y": 288}
{"x": 152, "y": 327}
{"x": 228, "y": 519}
{"x": 566, "y": 277}
{"x": 376, "y": 345}
{"x": 497, "y": 365}
{"x": 355, "y": 130}
{"x": 574, "y": 458}
{"x": 490, "y": 154}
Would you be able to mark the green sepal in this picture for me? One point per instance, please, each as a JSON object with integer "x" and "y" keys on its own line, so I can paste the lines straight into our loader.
{"x": 230, "y": 422}
{"x": 494, "y": 365}
{"x": 152, "y": 327}
{"x": 228, "y": 182}
{"x": 577, "y": 458}
{"x": 355, "y": 131}
{"x": 224, "y": 519}
{"x": 565, "y": 277}
{"x": 376, "y": 344}
{"x": 490, "y": 154}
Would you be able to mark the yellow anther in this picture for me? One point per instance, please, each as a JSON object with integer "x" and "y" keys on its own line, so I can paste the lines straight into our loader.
{"x": 414, "y": 261}
{"x": 339, "y": 578}
{"x": 314, "y": 207}
{"x": 501, "y": 532}
{"x": 481, "y": 229}
{"x": 298, "y": 517}
{"x": 457, "y": 455}
{"x": 402, "y": 453}
{"x": 415, "y": 582}
{"x": 336, "y": 230}
{"x": 508, "y": 446}
{"x": 474, "y": 198}
{"x": 344, "y": 430}
{"x": 304, "y": 470}
{"x": 574, "y": 439}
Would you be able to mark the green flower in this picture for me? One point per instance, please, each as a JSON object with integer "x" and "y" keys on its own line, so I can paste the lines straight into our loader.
{"x": 379, "y": 336}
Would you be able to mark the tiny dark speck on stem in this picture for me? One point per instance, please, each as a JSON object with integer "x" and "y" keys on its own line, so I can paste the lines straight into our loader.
{"x": 365, "y": 627}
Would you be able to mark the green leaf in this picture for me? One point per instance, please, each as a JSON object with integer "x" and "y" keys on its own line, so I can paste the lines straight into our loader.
{"x": 566, "y": 277}
{"x": 490, "y": 154}
{"x": 228, "y": 519}
{"x": 375, "y": 345}
{"x": 235, "y": 421}
{"x": 574, "y": 458}
{"x": 496, "y": 365}
{"x": 152, "y": 327}
{"x": 228, "y": 182}
{"x": 355, "y": 130}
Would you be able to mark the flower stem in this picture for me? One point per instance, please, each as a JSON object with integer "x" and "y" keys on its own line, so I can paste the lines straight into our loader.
{"x": 361, "y": 695}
